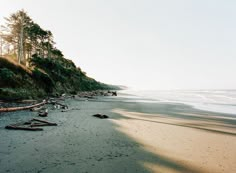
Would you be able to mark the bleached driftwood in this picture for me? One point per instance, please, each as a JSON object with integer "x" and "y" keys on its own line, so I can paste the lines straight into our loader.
{"x": 23, "y": 107}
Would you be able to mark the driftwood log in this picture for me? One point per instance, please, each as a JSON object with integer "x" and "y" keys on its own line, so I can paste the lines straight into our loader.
{"x": 23, "y": 128}
{"x": 22, "y": 108}
{"x": 29, "y": 125}
{"x": 43, "y": 113}
{"x": 41, "y": 123}
{"x": 62, "y": 105}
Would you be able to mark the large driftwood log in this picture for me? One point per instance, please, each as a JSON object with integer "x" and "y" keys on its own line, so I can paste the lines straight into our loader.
{"x": 23, "y": 128}
{"x": 22, "y": 108}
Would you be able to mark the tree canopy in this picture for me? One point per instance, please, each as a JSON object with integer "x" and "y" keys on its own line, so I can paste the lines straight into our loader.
{"x": 23, "y": 38}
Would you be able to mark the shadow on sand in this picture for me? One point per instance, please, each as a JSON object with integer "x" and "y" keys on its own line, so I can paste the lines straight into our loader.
{"x": 183, "y": 116}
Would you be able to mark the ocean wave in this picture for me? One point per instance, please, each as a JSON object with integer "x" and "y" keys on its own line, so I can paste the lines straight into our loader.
{"x": 223, "y": 101}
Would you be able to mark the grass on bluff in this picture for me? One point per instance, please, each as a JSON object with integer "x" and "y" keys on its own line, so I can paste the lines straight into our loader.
{"x": 10, "y": 63}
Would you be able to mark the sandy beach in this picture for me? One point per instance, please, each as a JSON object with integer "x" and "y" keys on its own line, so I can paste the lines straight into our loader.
{"x": 137, "y": 137}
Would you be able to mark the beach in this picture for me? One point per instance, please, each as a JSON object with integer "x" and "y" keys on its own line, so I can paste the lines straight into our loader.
{"x": 137, "y": 137}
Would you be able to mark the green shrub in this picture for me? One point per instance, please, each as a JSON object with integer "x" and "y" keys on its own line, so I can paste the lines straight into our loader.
{"x": 43, "y": 79}
{"x": 6, "y": 74}
{"x": 7, "y": 78}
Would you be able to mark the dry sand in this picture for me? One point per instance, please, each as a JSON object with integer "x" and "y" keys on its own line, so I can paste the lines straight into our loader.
{"x": 138, "y": 137}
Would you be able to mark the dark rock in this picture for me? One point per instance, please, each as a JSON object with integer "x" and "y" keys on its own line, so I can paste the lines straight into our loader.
{"x": 100, "y": 116}
{"x": 114, "y": 93}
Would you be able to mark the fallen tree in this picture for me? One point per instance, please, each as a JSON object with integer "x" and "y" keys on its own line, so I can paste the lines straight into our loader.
{"x": 23, "y": 107}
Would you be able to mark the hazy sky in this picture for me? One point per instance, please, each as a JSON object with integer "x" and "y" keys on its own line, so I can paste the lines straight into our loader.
{"x": 147, "y": 44}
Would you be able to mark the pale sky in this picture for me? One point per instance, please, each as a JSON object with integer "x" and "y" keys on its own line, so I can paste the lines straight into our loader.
{"x": 145, "y": 44}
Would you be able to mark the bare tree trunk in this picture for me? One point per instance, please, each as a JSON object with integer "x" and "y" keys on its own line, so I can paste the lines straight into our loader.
{"x": 21, "y": 45}
{"x": 21, "y": 42}
{"x": 18, "y": 50}
{"x": 1, "y": 42}
{"x": 1, "y": 45}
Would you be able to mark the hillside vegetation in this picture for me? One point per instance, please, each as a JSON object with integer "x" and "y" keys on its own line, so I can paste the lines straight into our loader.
{"x": 32, "y": 67}
{"x": 48, "y": 77}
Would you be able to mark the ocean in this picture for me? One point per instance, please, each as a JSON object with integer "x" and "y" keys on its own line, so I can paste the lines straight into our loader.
{"x": 223, "y": 101}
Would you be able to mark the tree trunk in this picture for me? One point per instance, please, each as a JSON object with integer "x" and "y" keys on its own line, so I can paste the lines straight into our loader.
{"x": 21, "y": 42}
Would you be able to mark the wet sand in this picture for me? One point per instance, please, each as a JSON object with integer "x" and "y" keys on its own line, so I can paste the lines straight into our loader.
{"x": 138, "y": 137}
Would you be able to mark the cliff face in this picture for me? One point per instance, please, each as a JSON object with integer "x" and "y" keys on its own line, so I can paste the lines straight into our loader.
{"x": 44, "y": 77}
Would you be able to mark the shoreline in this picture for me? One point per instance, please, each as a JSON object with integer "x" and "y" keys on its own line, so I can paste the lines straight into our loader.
{"x": 211, "y": 105}
{"x": 137, "y": 137}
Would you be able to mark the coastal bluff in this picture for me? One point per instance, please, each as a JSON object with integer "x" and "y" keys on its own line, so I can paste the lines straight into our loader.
{"x": 44, "y": 77}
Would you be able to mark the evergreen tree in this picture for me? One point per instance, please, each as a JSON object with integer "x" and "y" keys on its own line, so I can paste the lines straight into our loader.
{"x": 27, "y": 38}
{"x": 15, "y": 28}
